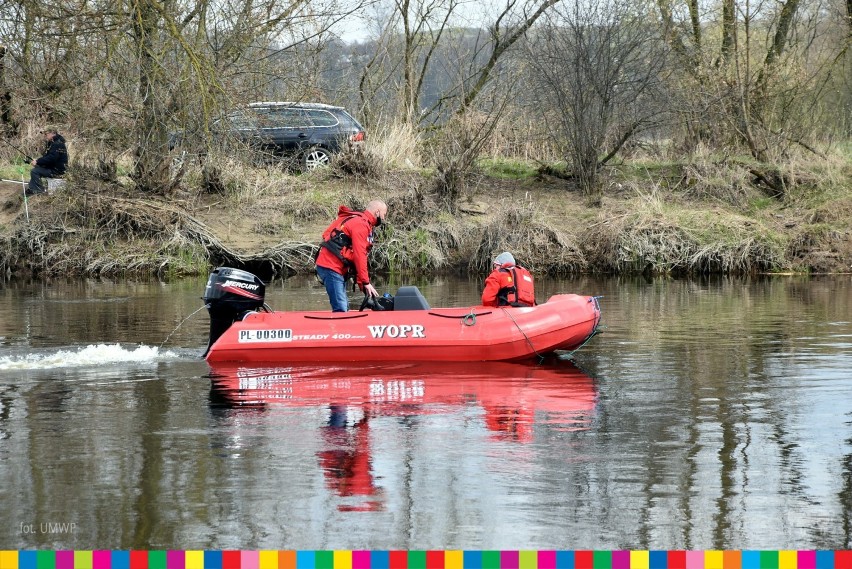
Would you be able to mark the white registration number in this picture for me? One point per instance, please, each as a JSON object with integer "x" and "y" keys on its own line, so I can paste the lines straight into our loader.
{"x": 265, "y": 335}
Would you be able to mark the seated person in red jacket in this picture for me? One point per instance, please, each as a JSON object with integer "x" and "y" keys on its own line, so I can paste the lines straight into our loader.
{"x": 508, "y": 284}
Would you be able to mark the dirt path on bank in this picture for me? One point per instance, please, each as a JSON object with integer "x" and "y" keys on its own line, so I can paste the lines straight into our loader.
{"x": 11, "y": 202}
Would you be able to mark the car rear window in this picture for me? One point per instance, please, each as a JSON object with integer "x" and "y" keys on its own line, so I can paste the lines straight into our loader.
{"x": 322, "y": 118}
{"x": 285, "y": 118}
{"x": 241, "y": 120}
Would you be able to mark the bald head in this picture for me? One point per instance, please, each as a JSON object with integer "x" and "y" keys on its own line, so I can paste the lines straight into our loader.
{"x": 378, "y": 208}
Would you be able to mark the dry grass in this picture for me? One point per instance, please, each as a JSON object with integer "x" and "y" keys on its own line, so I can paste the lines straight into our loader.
{"x": 540, "y": 245}
{"x": 699, "y": 216}
{"x": 397, "y": 145}
{"x": 357, "y": 162}
{"x": 112, "y": 232}
{"x": 651, "y": 237}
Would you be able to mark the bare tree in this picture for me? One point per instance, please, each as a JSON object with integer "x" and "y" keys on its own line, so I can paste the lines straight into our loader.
{"x": 378, "y": 68}
{"x": 222, "y": 50}
{"x": 152, "y": 171}
{"x": 507, "y": 29}
{"x": 152, "y": 65}
{"x": 439, "y": 67}
{"x": 452, "y": 82}
{"x": 752, "y": 84}
{"x": 51, "y": 49}
{"x": 6, "y": 121}
{"x": 423, "y": 24}
{"x": 593, "y": 66}
{"x": 457, "y": 146}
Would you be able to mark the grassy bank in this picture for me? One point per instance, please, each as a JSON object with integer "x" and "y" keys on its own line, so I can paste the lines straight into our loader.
{"x": 705, "y": 214}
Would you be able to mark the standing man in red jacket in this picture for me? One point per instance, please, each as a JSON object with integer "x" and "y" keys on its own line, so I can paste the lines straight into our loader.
{"x": 343, "y": 252}
{"x": 508, "y": 284}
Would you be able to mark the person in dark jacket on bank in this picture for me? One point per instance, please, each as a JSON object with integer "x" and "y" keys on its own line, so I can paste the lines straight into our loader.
{"x": 51, "y": 165}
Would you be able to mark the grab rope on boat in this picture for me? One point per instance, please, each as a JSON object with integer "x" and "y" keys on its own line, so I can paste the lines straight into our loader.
{"x": 595, "y": 332}
{"x": 468, "y": 319}
{"x": 512, "y": 318}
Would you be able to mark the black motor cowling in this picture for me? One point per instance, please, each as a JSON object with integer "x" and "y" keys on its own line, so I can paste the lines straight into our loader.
{"x": 229, "y": 294}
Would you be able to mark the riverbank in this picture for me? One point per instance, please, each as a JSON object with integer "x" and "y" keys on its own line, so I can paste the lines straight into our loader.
{"x": 701, "y": 216}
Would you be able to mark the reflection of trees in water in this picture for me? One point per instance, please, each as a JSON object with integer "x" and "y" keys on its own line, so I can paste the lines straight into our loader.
{"x": 75, "y": 311}
{"x": 92, "y": 458}
{"x": 5, "y": 412}
{"x": 154, "y": 524}
{"x": 714, "y": 409}
{"x": 49, "y": 397}
{"x": 845, "y": 497}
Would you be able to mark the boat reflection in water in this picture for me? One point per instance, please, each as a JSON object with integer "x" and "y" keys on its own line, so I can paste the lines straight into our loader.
{"x": 512, "y": 397}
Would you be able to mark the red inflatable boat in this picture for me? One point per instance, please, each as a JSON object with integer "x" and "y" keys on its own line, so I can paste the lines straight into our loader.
{"x": 241, "y": 331}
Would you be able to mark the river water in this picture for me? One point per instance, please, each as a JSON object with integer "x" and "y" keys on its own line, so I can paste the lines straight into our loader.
{"x": 709, "y": 414}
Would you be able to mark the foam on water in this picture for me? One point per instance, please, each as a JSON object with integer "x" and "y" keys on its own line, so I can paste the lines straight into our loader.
{"x": 93, "y": 355}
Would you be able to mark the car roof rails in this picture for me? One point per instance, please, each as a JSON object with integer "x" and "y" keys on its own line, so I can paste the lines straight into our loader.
{"x": 293, "y": 104}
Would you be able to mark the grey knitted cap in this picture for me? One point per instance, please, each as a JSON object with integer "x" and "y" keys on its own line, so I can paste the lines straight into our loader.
{"x": 504, "y": 258}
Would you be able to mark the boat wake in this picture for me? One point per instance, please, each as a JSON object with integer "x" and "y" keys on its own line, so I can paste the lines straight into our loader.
{"x": 92, "y": 355}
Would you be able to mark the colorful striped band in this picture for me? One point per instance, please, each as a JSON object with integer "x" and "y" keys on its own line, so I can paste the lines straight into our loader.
{"x": 434, "y": 559}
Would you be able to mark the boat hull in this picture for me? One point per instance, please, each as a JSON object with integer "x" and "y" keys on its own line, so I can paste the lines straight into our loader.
{"x": 477, "y": 333}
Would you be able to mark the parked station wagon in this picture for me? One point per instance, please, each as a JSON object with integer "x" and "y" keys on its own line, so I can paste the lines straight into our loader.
{"x": 309, "y": 132}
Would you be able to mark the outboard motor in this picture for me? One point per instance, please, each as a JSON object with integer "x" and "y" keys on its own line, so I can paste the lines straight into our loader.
{"x": 229, "y": 294}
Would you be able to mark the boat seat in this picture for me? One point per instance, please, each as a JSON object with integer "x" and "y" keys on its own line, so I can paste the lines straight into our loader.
{"x": 409, "y": 298}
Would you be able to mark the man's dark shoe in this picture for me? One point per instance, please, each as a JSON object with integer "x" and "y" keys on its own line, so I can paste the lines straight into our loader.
{"x": 30, "y": 192}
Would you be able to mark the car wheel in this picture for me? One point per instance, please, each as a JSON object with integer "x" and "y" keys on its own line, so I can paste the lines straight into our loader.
{"x": 315, "y": 157}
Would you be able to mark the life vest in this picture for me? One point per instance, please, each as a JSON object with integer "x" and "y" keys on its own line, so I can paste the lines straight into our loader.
{"x": 521, "y": 291}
